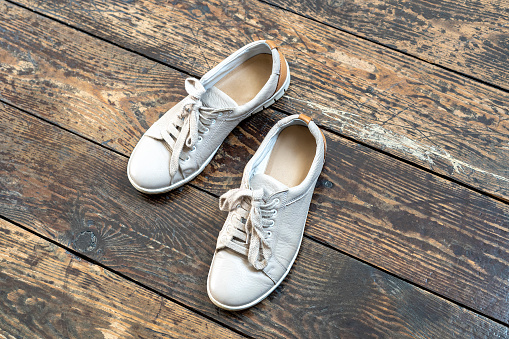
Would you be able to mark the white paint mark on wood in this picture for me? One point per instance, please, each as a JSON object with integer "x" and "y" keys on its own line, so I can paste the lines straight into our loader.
{"x": 374, "y": 133}
{"x": 352, "y": 61}
{"x": 116, "y": 330}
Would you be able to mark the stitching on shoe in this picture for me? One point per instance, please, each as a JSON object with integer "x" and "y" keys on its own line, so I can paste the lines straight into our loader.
{"x": 302, "y": 195}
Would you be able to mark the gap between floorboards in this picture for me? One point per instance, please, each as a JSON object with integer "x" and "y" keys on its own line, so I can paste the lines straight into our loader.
{"x": 216, "y": 196}
{"x": 123, "y": 276}
{"x": 388, "y": 47}
{"x": 497, "y": 198}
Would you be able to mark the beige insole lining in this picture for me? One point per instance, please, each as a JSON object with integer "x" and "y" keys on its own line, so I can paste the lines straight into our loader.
{"x": 246, "y": 80}
{"x": 292, "y": 155}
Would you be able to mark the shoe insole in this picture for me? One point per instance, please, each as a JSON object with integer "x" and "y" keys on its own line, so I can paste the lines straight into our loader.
{"x": 244, "y": 82}
{"x": 292, "y": 155}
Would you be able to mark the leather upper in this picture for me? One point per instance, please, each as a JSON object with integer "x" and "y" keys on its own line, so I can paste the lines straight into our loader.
{"x": 149, "y": 168}
{"x": 233, "y": 281}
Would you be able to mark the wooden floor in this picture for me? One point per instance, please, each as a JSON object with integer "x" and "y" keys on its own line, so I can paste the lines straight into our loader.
{"x": 408, "y": 231}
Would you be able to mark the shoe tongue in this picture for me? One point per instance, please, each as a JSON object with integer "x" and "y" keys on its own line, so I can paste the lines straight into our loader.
{"x": 215, "y": 98}
{"x": 267, "y": 183}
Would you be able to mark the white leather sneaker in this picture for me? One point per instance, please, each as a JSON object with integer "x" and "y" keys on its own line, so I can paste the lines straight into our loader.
{"x": 262, "y": 234}
{"x": 178, "y": 146}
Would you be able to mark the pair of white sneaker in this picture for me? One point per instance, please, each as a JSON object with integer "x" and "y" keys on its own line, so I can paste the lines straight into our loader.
{"x": 267, "y": 214}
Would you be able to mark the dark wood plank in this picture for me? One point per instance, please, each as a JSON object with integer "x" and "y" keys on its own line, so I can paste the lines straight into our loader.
{"x": 76, "y": 193}
{"x": 432, "y": 117}
{"x": 367, "y": 205}
{"x": 418, "y": 226}
{"x": 47, "y": 292}
{"x": 469, "y": 37}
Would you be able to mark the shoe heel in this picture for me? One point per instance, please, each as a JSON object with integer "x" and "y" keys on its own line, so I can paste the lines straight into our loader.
{"x": 278, "y": 95}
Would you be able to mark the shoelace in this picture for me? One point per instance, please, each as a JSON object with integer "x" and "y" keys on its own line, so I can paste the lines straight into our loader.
{"x": 251, "y": 216}
{"x": 192, "y": 120}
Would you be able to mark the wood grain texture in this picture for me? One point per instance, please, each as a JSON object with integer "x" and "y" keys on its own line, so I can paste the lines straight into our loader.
{"x": 435, "y": 118}
{"x": 418, "y": 226}
{"x": 47, "y": 292}
{"x": 368, "y": 205}
{"x": 76, "y": 193}
{"x": 469, "y": 37}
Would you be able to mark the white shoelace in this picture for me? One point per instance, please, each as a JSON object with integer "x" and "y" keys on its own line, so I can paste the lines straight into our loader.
{"x": 191, "y": 121}
{"x": 252, "y": 215}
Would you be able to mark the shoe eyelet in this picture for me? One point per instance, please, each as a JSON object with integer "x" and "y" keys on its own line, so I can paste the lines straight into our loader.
{"x": 200, "y": 138}
{"x": 277, "y": 201}
{"x": 213, "y": 121}
{"x": 188, "y": 157}
{"x": 274, "y": 213}
{"x": 207, "y": 130}
{"x": 272, "y": 222}
{"x": 194, "y": 147}
{"x": 269, "y": 234}
{"x": 238, "y": 206}
{"x": 220, "y": 115}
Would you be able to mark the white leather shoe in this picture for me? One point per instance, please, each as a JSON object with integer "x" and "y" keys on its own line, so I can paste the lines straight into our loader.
{"x": 262, "y": 234}
{"x": 178, "y": 146}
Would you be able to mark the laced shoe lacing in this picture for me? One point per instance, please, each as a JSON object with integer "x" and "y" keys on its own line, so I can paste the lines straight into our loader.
{"x": 247, "y": 230}
{"x": 186, "y": 128}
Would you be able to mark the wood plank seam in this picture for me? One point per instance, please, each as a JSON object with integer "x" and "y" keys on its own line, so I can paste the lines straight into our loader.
{"x": 444, "y": 297}
{"x": 420, "y": 167}
{"x": 460, "y": 167}
{"x": 296, "y": 268}
{"x": 481, "y": 81}
{"x": 156, "y": 60}
{"x": 414, "y": 164}
{"x": 123, "y": 276}
{"x": 311, "y": 238}
{"x": 408, "y": 162}
{"x": 453, "y": 40}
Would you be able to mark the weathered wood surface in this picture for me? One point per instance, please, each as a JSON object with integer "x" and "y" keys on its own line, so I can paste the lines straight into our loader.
{"x": 368, "y": 205}
{"x": 469, "y": 37}
{"x": 409, "y": 108}
{"x": 47, "y": 292}
{"x": 418, "y": 226}
{"x": 76, "y": 193}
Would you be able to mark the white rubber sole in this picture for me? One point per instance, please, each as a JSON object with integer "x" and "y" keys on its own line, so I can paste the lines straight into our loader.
{"x": 165, "y": 189}
{"x": 259, "y": 299}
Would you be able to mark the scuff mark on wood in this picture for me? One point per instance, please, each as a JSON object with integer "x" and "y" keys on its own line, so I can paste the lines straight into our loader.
{"x": 377, "y": 134}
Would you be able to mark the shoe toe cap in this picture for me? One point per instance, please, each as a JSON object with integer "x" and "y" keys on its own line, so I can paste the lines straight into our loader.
{"x": 233, "y": 283}
{"x": 149, "y": 165}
